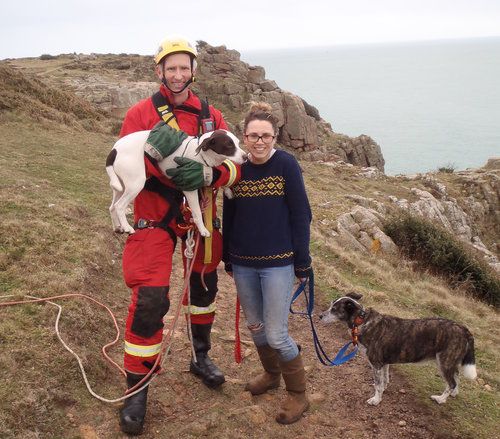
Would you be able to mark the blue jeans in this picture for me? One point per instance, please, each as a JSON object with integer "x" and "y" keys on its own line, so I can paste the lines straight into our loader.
{"x": 265, "y": 295}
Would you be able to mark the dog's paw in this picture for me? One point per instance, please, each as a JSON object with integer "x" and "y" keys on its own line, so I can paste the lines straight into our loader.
{"x": 228, "y": 193}
{"x": 204, "y": 232}
{"x": 129, "y": 229}
{"x": 374, "y": 400}
{"x": 440, "y": 399}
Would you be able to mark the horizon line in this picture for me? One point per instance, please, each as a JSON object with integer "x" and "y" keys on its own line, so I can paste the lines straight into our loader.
{"x": 270, "y": 49}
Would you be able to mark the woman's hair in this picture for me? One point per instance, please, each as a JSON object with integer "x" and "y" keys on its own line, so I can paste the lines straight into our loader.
{"x": 260, "y": 111}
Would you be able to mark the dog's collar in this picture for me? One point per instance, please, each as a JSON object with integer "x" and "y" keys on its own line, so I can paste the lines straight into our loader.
{"x": 358, "y": 321}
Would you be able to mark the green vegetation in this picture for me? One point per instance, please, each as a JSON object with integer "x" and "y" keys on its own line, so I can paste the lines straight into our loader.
{"x": 439, "y": 251}
{"x": 449, "y": 168}
{"x": 46, "y": 57}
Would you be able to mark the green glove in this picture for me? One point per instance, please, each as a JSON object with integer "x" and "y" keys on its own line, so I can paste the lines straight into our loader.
{"x": 190, "y": 175}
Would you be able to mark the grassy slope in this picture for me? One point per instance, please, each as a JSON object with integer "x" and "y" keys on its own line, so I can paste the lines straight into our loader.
{"x": 56, "y": 238}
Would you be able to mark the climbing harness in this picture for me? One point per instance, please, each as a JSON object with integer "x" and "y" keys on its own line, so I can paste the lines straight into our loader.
{"x": 341, "y": 357}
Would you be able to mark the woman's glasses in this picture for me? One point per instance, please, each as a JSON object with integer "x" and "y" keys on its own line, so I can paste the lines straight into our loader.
{"x": 254, "y": 138}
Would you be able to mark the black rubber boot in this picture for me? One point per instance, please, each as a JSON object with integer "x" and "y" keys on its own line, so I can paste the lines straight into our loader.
{"x": 134, "y": 409}
{"x": 209, "y": 373}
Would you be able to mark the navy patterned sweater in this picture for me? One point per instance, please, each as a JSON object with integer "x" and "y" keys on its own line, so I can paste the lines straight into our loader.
{"x": 267, "y": 222}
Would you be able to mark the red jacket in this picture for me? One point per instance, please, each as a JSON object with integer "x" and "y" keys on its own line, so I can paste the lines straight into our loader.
{"x": 143, "y": 116}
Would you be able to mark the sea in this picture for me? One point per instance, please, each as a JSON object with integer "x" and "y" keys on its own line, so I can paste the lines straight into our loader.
{"x": 428, "y": 105}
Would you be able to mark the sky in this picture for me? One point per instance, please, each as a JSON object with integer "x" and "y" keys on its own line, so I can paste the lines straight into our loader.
{"x": 30, "y": 28}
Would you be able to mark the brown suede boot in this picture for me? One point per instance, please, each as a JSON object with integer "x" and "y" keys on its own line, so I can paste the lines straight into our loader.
{"x": 296, "y": 402}
{"x": 270, "y": 378}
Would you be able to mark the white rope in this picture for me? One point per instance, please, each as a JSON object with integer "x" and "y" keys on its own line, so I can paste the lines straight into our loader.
{"x": 189, "y": 253}
{"x": 80, "y": 364}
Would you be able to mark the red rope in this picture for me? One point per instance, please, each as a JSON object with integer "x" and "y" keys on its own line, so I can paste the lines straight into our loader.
{"x": 166, "y": 339}
{"x": 237, "y": 340}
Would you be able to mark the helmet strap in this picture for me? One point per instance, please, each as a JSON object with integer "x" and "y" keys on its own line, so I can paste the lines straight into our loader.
{"x": 164, "y": 81}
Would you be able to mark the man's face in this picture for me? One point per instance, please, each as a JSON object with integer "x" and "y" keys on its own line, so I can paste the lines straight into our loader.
{"x": 177, "y": 70}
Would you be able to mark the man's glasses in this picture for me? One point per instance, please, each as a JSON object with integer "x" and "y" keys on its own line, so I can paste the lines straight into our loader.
{"x": 254, "y": 138}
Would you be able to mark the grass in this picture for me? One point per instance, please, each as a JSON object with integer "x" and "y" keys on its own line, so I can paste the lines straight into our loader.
{"x": 474, "y": 412}
{"x": 449, "y": 168}
{"x": 56, "y": 238}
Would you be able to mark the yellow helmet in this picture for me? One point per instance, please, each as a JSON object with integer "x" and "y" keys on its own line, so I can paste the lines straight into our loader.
{"x": 174, "y": 45}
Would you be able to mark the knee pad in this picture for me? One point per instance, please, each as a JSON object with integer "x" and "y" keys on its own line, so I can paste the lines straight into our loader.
{"x": 152, "y": 304}
{"x": 199, "y": 295}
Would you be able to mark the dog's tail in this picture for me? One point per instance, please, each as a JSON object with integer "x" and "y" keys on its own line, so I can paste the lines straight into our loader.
{"x": 469, "y": 360}
{"x": 114, "y": 181}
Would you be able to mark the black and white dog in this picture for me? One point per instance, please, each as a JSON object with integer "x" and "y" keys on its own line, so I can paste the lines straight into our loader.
{"x": 127, "y": 173}
{"x": 388, "y": 340}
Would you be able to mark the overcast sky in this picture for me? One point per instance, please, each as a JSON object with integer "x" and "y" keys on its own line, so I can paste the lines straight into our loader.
{"x": 35, "y": 27}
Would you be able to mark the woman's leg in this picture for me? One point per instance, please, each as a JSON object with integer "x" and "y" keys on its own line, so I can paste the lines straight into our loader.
{"x": 277, "y": 292}
{"x": 250, "y": 294}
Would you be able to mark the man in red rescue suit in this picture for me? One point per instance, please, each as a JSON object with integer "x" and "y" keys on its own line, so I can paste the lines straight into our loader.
{"x": 147, "y": 257}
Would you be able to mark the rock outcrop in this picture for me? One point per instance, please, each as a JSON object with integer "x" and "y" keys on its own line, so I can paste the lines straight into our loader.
{"x": 235, "y": 83}
{"x": 361, "y": 228}
{"x": 115, "y": 82}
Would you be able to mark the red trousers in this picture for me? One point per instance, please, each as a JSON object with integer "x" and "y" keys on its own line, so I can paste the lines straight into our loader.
{"x": 147, "y": 265}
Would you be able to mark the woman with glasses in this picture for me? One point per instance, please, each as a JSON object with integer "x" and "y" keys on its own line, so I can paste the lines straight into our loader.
{"x": 266, "y": 245}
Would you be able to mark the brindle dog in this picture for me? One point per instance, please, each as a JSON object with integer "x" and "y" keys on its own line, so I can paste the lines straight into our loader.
{"x": 388, "y": 340}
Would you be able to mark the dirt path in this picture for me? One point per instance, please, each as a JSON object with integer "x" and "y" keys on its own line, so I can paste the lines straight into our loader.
{"x": 181, "y": 407}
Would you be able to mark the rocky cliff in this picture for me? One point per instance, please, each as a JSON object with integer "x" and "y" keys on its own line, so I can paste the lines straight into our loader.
{"x": 466, "y": 203}
{"x": 234, "y": 83}
{"x": 115, "y": 82}
{"x": 89, "y": 87}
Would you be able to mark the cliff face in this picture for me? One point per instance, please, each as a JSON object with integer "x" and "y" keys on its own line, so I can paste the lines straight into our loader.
{"x": 234, "y": 83}
{"x": 467, "y": 204}
{"x": 115, "y": 82}
{"x": 85, "y": 87}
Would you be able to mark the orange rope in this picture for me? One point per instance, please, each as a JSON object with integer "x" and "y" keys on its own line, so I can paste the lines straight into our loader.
{"x": 64, "y": 296}
{"x": 165, "y": 343}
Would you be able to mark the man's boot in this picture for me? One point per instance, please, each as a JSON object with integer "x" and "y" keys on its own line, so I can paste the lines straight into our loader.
{"x": 270, "y": 378}
{"x": 204, "y": 367}
{"x": 296, "y": 402}
{"x": 134, "y": 409}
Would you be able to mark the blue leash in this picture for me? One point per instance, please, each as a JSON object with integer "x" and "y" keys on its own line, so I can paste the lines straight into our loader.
{"x": 341, "y": 357}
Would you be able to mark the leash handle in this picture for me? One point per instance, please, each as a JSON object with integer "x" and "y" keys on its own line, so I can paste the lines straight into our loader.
{"x": 300, "y": 289}
{"x": 341, "y": 357}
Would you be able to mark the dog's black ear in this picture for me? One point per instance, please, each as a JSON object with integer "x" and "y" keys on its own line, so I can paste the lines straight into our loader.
{"x": 206, "y": 144}
{"x": 355, "y": 296}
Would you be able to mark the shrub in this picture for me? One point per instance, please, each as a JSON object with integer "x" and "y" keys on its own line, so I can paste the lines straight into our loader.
{"x": 449, "y": 168}
{"x": 439, "y": 251}
{"x": 46, "y": 57}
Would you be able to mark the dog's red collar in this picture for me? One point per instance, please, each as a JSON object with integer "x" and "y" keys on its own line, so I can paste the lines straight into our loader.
{"x": 359, "y": 320}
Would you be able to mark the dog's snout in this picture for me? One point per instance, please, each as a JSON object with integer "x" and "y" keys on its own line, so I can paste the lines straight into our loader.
{"x": 245, "y": 156}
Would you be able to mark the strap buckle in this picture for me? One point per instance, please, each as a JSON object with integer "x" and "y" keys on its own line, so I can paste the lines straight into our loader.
{"x": 144, "y": 224}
